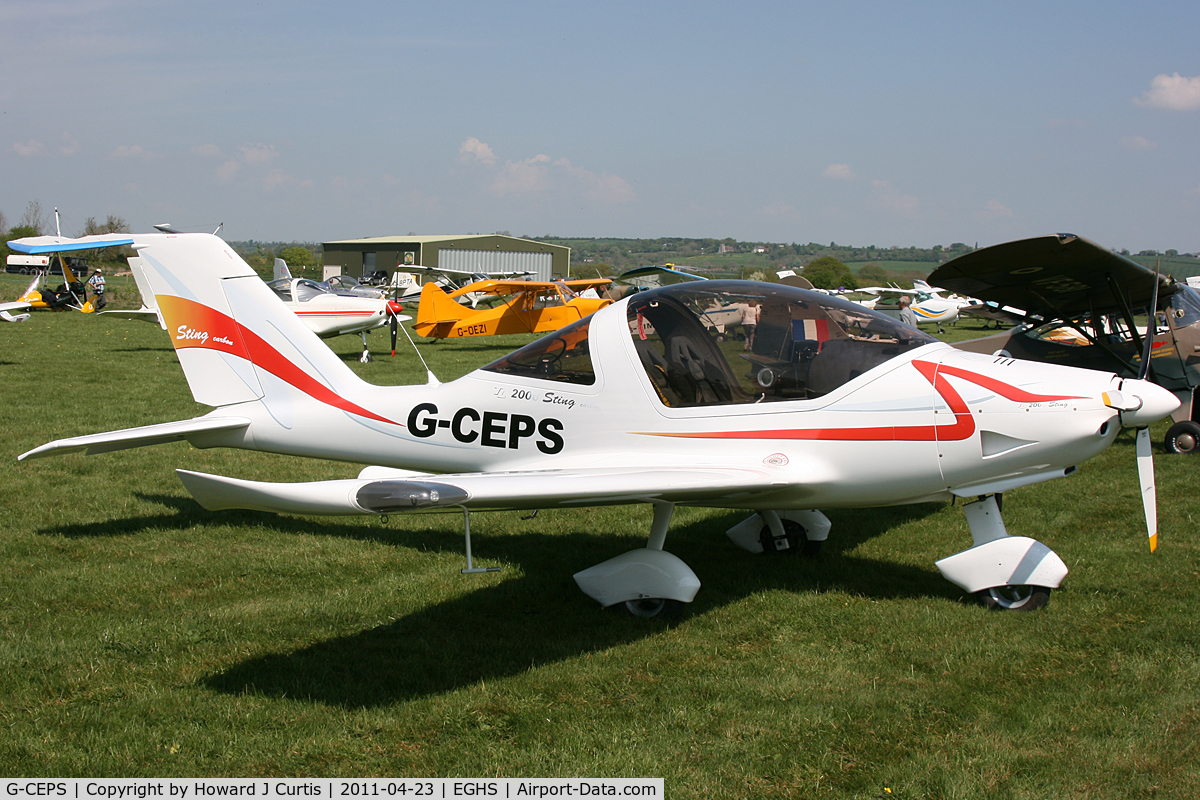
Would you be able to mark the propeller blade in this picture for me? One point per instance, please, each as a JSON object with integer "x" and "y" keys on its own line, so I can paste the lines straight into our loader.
{"x": 1145, "y": 462}
{"x": 393, "y": 310}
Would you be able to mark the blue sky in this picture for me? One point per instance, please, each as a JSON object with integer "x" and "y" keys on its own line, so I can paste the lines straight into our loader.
{"x": 857, "y": 122}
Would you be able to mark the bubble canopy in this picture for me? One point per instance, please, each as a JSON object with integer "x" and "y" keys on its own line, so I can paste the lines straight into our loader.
{"x": 695, "y": 345}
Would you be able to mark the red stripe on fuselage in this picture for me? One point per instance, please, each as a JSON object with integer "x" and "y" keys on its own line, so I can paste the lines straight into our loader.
{"x": 193, "y": 324}
{"x": 962, "y": 428}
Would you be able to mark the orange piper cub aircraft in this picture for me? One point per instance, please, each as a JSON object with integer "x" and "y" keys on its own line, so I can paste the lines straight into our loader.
{"x": 536, "y": 307}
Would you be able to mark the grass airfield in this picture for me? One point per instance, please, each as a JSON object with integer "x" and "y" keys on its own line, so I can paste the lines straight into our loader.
{"x": 144, "y": 636}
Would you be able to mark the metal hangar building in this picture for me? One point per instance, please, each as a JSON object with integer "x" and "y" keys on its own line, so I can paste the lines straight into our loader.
{"x": 471, "y": 253}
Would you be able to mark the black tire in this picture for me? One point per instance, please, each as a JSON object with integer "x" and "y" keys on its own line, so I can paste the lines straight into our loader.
{"x": 1014, "y": 598}
{"x": 1183, "y": 437}
{"x": 650, "y": 607}
{"x": 795, "y": 540}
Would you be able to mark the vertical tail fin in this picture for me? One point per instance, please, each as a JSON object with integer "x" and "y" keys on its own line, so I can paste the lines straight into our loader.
{"x": 437, "y": 312}
{"x": 235, "y": 340}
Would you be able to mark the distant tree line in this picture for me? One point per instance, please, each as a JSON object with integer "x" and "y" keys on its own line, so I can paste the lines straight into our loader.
{"x": 627, "y": 253}
{"x": 35, "y": 221}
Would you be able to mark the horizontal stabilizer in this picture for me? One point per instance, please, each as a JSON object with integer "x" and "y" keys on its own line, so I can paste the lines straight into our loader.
{"x": 137, "y": 437}
{"x": 142, "y": 314}
{"x": 476, "y": 491}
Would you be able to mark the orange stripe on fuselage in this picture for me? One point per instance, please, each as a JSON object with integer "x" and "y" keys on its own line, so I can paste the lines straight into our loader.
{"x": 962, "y": 428}
{"x": 193, "y": 324}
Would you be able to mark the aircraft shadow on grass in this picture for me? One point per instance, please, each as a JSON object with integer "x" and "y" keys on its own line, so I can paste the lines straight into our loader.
{"x": 540, "y": 618}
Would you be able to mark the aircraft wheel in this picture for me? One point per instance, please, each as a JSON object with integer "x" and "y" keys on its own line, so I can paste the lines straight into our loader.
{"x": 1014, "y": 598}
{"x": 1183, "y": 437}
{"x": 648, "y": 607}
{"x": 794, "y": 540}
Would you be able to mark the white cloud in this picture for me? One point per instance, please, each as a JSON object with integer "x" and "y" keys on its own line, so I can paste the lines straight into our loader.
{"x": 129, "y": 151}
{"x": 542, "y": 174}
{"x": 207, "y": 151}
{"x": 601, "y": 188}
{"x": 1172, "y": 92}
{"x": 839, "y": 172}
{"x": 258, "y": 153}
{"x": 474, "y": 150}
{"x": 278, "y": 179}
{"x": 994, "y": 209}
{"x": 891, "y": 198}
{"x": 523, "y": 177}
{"x": 30, "y": 148}
{"x": 227, "y": 171}
{"x": 1137, "y": 143}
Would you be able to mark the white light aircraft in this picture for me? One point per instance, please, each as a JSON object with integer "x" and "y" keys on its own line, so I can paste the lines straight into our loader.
{"x": 639, "y": 403}
{"x": 928, "y": 303}
{"x": 448, "y": 280}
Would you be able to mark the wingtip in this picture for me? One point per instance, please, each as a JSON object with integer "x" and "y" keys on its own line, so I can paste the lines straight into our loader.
{"x": 1153, "y": 542}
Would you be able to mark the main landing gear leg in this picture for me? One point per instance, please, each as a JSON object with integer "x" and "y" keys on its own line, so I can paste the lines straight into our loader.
{"x": 365, "y": 358}
{"x": 1004, "y": 572}
{"x": 648, "y": 581}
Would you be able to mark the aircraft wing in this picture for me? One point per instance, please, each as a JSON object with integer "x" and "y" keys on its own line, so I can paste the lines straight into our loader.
{"x": 137, "y": 437}
{"x": 482, "y": 491}
{"x": 583, "y": 284}
{"x": 467, "y": 272}
{"x": 653, "y": 277}
{"x": 15, "y": 305}
{"x": 1062, "y": 276}
{"x": 142, "y": 314}
{"x": 37, "y": 245}
{"x": 523, "y": 287}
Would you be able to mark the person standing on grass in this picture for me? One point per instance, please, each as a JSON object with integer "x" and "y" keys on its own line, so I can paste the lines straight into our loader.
{"x": 97, "y": 284}
{"x": 907, "y": 315}
{"x": 749, "y": 323}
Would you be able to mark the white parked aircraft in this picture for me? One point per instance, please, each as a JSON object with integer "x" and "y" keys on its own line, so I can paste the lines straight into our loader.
{"x": 325, "y": 312}
{"x": 639, "y": 403}
{"x": 928, "y": 303}
{"x": 407, "y": 288}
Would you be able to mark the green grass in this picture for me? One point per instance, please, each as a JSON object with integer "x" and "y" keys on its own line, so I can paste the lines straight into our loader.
{"x": 143, "y": 636}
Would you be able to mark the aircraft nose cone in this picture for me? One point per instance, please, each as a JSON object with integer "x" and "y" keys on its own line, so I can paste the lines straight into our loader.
{"x": 1155, "y": 403}
{"x": 394, "y": 308}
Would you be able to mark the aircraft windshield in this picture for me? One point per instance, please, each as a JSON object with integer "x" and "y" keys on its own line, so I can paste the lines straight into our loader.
{"x": 1185, "y": 307}
{"x": 306, "y": 290}
{"x": 283, "y": 288}
{"x": 562, "y": 356}
{"x": 697, "y": 348}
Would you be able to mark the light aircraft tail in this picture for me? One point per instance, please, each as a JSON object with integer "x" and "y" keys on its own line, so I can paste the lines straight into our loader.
{"x": 241, "y": 351}
{"x": 437, "y": 309}
{"x": 281, "y": 269}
